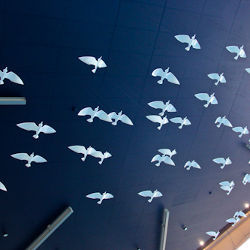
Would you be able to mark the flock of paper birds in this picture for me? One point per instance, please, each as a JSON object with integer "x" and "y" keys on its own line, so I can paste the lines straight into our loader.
{"x": 165, "y": 155}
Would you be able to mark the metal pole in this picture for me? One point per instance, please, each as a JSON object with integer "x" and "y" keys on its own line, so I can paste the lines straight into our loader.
{"x": 164, "y": 229}
{"x": 50, "y": 229}
{"x": 12, "y": 101}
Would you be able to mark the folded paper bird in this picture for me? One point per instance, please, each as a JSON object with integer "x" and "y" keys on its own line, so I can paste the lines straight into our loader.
{"x": 219, "y": 78}
{"x": 152, "y": 195}
{"x": 162, "y": 158}
{"x": 242, "y": 131}
{"x": 192, "y": 42}
{"x": 210, "y": 99}
{"x": 163, "y": 106}
{"x": 100, "y": 197}
{"x": 181, "y": 121}
{"x": 213, "y": 234}
{"x": 2, "y": 187}
{"x": 227, "y": 186}
{"x": 236, "y": 218}
{"x": 190, "y": 164}
{"x": 10, "y": 76}
{"x": 170, "y": 77}
{"x": 158, "y": 119}
{"x": 239, "y": 51}
{"x": 90, "y": 60}
{"x": 95, "y": 113}
{"x": 29, "y": 158}
{"x": 40, "y": 128}
{"x": 168, "y": 152}
{"x": 222, "y": 161}
{"x": 223, "y": 120}
{"x": 247, "y": 70}
{"x": 119, "y": 117}
{"x": 246, "y": 179}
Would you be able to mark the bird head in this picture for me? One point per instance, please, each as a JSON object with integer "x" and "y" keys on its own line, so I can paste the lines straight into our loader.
{"x": 100, "y": 58}
{"x": 167, "y": 70}
{"x": 97, "y": 108}
{"x": 174, "y": 152}
{"x": 242, "y": 46}
{"x": 120, "y": 113}
{"x": 40, "y": 124}
{"x": 5, "y": 69}
{"x": 32, "y": 155}
{"x": 167, "y": 102}
{"x": 212, "y": 94}
{"x": 185, "y": 118}
{"x": 193, "y": 37}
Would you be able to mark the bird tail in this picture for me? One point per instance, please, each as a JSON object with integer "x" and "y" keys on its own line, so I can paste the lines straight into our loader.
{"x": 157, "y": 164}
{"x": 35, "y": 136}
{"x": 101, "y": 161}
{"x": 114, "y": 123}
{"x": 206, "y": 105}
{"x": 160, "y": 81}
{"x": 150, "y": 200}
{"x": 218, "y": 125}
{"x": 187, "y": 48}
{"x": 159, "y": 127}
{"x": 240, "y": 135}
{"x": 216, "y": 83}
{"x": 236, "y": 57}
{"x": 94, "y": 70}
{"x": 28, "y": 165}
{"x": 162, "y": 113}
{"x": 83, "y": 158}
{"x": 99, "y": 202}
{"x": 1, "y": 82}
{"x": 180, "y": 127}
{"x": 90, "y": 119}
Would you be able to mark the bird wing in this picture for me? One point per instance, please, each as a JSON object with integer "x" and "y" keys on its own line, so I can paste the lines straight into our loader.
{"x": 183, "y": 38}
{"x": 126, "y": 120}
{"x": 226, "y": 122}
{"x": 243, "y": 54}
{"x": 90, "y": 60}
{"x": 225, "y": 188}
{"x": 146, "y": 193}
{"x": 168, "y": 160}
{"x": 228, "y": 161}
{"x": 103, "y": 116}
{"x": 94, "y": 196}
{"x": 248, "y": 70}
{"x": 102, "y": 64}
{"x": 14, "y": 77}
{"x": 238, "y": 129}
{"x": 158, "y": 72}
{"x": 39, "y": 159}
{"x": 196, "y": 165}
{"x": 202, "y": 96}
{"x": 29, "y": 126}
{"x": 214, "y": 76}
{"x": 214, "y": 101}
{"x": 165, "y": 151}
{"x": 78, "y": 149}
{"x": 154, "y": 118}
{"x": 171, "y": 108}
{"x": 211, "y": 233}
{"x": 223, "y": 79}
{"x": 242, "y": 214}
{"x": 109, "y": 196}
{"x": 158, "y": 194}
{"x": 2, "y": 187}
{"x": 156, "y": 158}
{"x": 47, "y": 129}
{"x": 176, "y": 120}
{"x": 233, "y": 49}
{"x": 187, "y": 164}
{"x": 171, "y": 78}
{"x": 157, "y": 104}
{"x": 97, "y": 154}
{"x": 113, "y": 115}
{"x": 86, "y": 111}
{"x": 196, "y": 44}
{"x": 224, "y": 183}
{"x": 21, "y": 156}
{"x": 218, "y": 119}
{"x": 187, "y": 122}
{"x": 219, "y": 160}
{"x": 231, "y": 220}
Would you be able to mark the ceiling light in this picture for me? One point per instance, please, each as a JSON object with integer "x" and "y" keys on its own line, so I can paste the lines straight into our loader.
{"x": 201, "y": 242}
{"x": 246, "y": 205}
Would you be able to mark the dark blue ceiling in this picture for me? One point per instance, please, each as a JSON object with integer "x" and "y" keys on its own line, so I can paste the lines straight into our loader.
{"x": 41, "y": 41}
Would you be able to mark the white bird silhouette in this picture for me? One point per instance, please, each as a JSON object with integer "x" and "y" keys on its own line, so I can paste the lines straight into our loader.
{"x": 10, "y": 76}
{"x": 236, "y": 218}
{"x": 90, "y": 60}
{"x": 247, "y": 70}
{"x": 152, "y": 195}
{"x": 227, "y": 186}
{"x": 102, "y": 156}
{"x": 168, "y": 152}
{"x": 217, "y": 77}
{"x": 246, "y": 179}
{"x": 162, "y": 158}
{"x": 210, "y": 99}
{"x": 223, "y": 120}
{"x": 181, "y": 121}
{"x": 242, "y": 131}
{"x": 163, "y": 106}
{"x": 120, "y": 117}
{"x": 29, "y": 158}
{"x": 213, "y": 234}
{"x": 165, "y": 75}
{"x": 40, "y": 128}
{"x": 190, "y": 164}
{"x": 101, "y": 197}
{"x": 158, "y": 119}
{"x": 2, "y": 187}
{"x": 82, "y": 150}
{"x": 222, "y": 161}
{"x": 95, "y": 113}
{"x": 192, "y": 42}
{"x": 239, "y": 51}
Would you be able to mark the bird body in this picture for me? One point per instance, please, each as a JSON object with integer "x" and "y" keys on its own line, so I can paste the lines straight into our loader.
{"x": 158, "y": 119}
{"x": 241, "y": 131}
{"x": 227, "y": 186}
{"x": 223, "y": 120}
{"x": 246, "y": 179}
{"x": 162, "y": 158}
{"x": 29, "y": 158}
{"x": 40, "y": 128}
{"x": 2, "y": 187}
{"x": 163, "y": 106}
{"x": 192, "y": 42}
{"x": 90, "y": 60}
{"x": 181, "y": 121}
{"x": 168, "y": 152}
{"x": 101, "y": 197}
{"x": 219, "y": 78}
{"x": 210, "y": 99}
{"x": 10, "y": 76}
{"x": 165, "y": 75}
{"x": 222, "y": 161}
{"x": 150, "y": 194}
{"x": 119, "y": 117}
{"x": 239, "y": 51}
{"x": 190, "y": 164}
{"x": 213, "y": 234}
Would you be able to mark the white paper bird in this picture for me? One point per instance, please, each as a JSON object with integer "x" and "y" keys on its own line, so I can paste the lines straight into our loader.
{"x": 181, "y": 121}
{"x": 162, "y": 158}
{"x": 29, "y": 158}
{"x": 213, "y": 234}
{"x": 217, "y": 77}
{"x": 168, "y": 152}
{"x": 95, "y": 113}
{"x": 158, "y": 119}
{"x": 120, "y": 117}
{"x": 100, "y": 197}
{"x": 102, "y": 156}
{"x": 223, "y": 120}
{"x": 227, "y": 186}
{"x": 150, "y": 194}
{"x": 222, "y": 161}
{"x": 165, "y": 75}
{"x": 242, "y": 131}
{"x": 210, "y": 99}
{"x": 10, "y": 76}
{"x": 163, "y": 106}
{"x": 90, "y": 60}
{"x": 190, "y": 164}
{"x": 247, "y": 70}
{"x": 246, "y": 179}
{"x": 238, "y": 51}
{"x": 192, "y": 42}
{"x": 40, "y": 128}
{"x": 82, "y": 150}
{"x": 239, "y": 214}
{"x": 2, "y": 187}
{"x": 236, "y": 218}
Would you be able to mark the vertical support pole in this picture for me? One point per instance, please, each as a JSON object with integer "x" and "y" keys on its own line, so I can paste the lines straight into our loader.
{"x": 164, "y": 229}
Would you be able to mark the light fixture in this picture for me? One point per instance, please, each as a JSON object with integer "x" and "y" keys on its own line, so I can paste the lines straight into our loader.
{"x": 201, "y": 242}
{"x": 246, "y": 205}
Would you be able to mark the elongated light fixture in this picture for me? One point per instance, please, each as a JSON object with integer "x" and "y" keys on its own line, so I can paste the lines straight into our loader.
{"x": 12, "y": 101}
{"x": 164, "y": 229}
